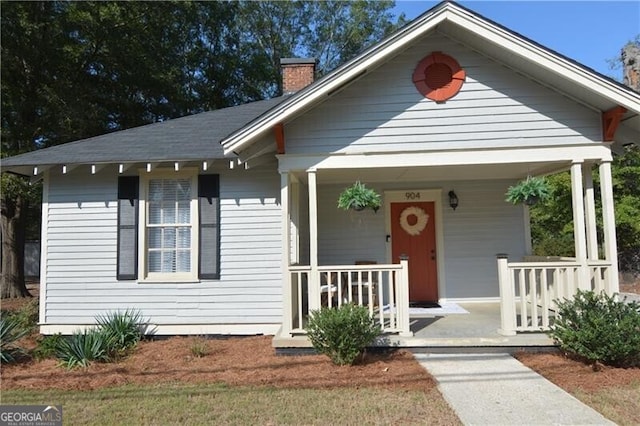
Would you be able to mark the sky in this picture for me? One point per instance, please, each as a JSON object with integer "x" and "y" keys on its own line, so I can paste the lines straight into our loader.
{"x": 590, "y": 32}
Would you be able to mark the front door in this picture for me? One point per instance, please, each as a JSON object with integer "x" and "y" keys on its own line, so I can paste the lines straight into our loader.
{"x": 413, "y": 234}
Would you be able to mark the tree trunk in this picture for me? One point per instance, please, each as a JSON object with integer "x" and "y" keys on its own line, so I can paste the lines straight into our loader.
{"x": 12, "y": 224}
{"x": 631, "y": 65}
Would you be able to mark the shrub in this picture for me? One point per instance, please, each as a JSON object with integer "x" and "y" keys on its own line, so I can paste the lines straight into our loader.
{"x": 599, "y": 329}
{"x": 47, "y": 346}
{"x": 27, "y": 315}
{"x": 122, "y": 330}
{"x": 10, "y": 332}
{"x": 82, "y": 347}
{"x": 343, "y": 333}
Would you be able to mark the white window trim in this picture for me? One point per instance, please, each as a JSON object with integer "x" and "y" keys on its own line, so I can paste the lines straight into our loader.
{"x": 157, "y": 277}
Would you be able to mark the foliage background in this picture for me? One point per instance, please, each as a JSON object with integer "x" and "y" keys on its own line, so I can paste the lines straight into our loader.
{"x": 552, "y": 223}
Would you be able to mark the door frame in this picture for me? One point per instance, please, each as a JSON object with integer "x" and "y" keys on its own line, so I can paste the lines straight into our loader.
{"x": 428, "y": 195}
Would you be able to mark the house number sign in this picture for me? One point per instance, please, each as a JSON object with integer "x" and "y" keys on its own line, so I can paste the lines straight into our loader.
{"x": 412, "y": 196}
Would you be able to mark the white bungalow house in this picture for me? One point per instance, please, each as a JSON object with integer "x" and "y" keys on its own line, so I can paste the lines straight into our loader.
{"x": 226, "y": 222}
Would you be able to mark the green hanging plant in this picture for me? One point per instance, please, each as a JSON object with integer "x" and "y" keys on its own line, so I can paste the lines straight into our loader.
{"x": 359, "y": 197}
{"x": 529, "y": 191}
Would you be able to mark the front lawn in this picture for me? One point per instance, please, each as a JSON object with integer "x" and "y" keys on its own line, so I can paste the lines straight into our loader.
{"x": 220, "y": 404}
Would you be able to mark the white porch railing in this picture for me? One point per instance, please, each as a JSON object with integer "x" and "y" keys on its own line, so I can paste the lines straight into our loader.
{"x": 528, "y": 290}
{"x": 384, "y": 289}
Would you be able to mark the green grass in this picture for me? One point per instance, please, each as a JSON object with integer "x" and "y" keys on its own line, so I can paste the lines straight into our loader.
{"x": 224, "y": 405}
{"x": 619, "y": 404}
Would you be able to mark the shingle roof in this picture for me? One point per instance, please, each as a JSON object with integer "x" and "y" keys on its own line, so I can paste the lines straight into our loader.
{"x": 190, "y": 138}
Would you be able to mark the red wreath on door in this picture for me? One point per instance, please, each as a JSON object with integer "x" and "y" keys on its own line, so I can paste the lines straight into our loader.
{"x": 438, "y": 77}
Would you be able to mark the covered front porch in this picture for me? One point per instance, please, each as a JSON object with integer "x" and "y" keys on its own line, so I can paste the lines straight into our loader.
{"x": 481, "y": 250}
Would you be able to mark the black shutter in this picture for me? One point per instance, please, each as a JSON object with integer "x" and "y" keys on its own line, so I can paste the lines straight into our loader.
{"x": 127, "y": 266}
{"x": 209, "y": 222}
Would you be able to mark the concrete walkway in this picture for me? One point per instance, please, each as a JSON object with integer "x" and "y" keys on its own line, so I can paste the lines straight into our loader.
{"x": 496, "y": 389}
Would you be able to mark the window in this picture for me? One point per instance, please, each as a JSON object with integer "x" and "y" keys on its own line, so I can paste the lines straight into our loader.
{"x": 170, "y": 232}
{"x": 169, "y": 226}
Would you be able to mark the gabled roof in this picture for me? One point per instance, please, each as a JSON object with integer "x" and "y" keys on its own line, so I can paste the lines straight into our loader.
{"x": 189, "y": 138}
{"x": 513, "y": 50}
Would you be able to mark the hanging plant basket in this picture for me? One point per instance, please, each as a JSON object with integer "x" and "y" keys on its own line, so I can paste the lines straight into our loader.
{"x": 358, "y": 197}
{"x": 529, "y": 191}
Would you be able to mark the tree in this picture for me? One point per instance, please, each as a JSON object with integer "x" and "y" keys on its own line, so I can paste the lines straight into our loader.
{"x": 72, "y": 70}
{"x": 626, "y": 190}
{"x": 331, "y": 31}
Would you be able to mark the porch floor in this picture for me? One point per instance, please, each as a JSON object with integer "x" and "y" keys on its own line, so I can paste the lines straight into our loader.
{"x": 477, "y": 329}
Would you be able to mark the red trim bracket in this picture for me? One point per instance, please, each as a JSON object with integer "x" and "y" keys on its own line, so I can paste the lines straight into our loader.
{"x": 438, "y": 77}
{"x": 278, "y": 131}
{"x": 610, "y": 121}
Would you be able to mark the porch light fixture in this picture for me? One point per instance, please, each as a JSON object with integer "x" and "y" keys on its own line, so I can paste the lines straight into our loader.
{"x": 453, "y": 200}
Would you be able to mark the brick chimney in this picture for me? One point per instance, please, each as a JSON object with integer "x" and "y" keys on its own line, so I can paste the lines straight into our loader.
{"x": 297, "y": 73}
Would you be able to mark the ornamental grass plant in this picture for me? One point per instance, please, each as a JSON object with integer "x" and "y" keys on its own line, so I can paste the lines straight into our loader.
{"x": 11, "y": 330}
{"x": 114, "y": 336}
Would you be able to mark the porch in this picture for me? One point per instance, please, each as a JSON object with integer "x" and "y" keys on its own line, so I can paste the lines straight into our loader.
{"x": 526, "y": 308}
{"x": 509, "y": 301}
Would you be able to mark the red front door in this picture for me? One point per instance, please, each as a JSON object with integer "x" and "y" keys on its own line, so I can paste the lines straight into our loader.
{"x": 413, "y": 233}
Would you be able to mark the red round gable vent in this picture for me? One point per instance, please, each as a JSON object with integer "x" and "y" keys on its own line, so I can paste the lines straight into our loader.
{"x": 438, "y": 77}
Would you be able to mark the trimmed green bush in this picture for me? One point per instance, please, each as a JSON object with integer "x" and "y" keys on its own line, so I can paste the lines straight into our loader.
{"x": 82, "y": 347}
{"x": 122, "y": 329}
{"x": 342, "y": 333}
{"x": 599, "y": 328}
{"x": 11, "y": 330}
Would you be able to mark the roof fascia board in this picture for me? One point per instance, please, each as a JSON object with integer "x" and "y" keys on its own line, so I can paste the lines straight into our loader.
{"x": 523, "y": 48}
{"x": 334, "y": 80}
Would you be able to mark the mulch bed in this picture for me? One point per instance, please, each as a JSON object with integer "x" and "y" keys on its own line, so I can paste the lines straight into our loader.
{"x": 235, "y": 361}
{"x": 573, "y": 375}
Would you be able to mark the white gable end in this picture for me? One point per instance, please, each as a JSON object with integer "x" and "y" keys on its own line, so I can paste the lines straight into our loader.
{"x": 496, "y": 107}
{"x": 539, "y": 64}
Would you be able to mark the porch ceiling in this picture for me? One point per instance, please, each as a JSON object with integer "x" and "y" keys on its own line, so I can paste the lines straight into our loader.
{"x": 439, "y": 173}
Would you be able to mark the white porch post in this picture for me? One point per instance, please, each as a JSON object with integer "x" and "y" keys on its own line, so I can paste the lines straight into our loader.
{"x": 609, "y": 226}
{"x": 590, "y": 213}
{"x": 402, "y": 303}
{"x": 579, "y": 235}
{"x": 287, "y": 302}
{"x": 507, "y": 298}
{"x": 314, "y": 283}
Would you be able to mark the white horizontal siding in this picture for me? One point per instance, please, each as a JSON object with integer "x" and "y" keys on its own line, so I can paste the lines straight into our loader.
{"x": 496, "y": 107}
{"x": 347, "y": 236}
{"x": 482, "y": 226}
{"x": 81, "y": 257}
